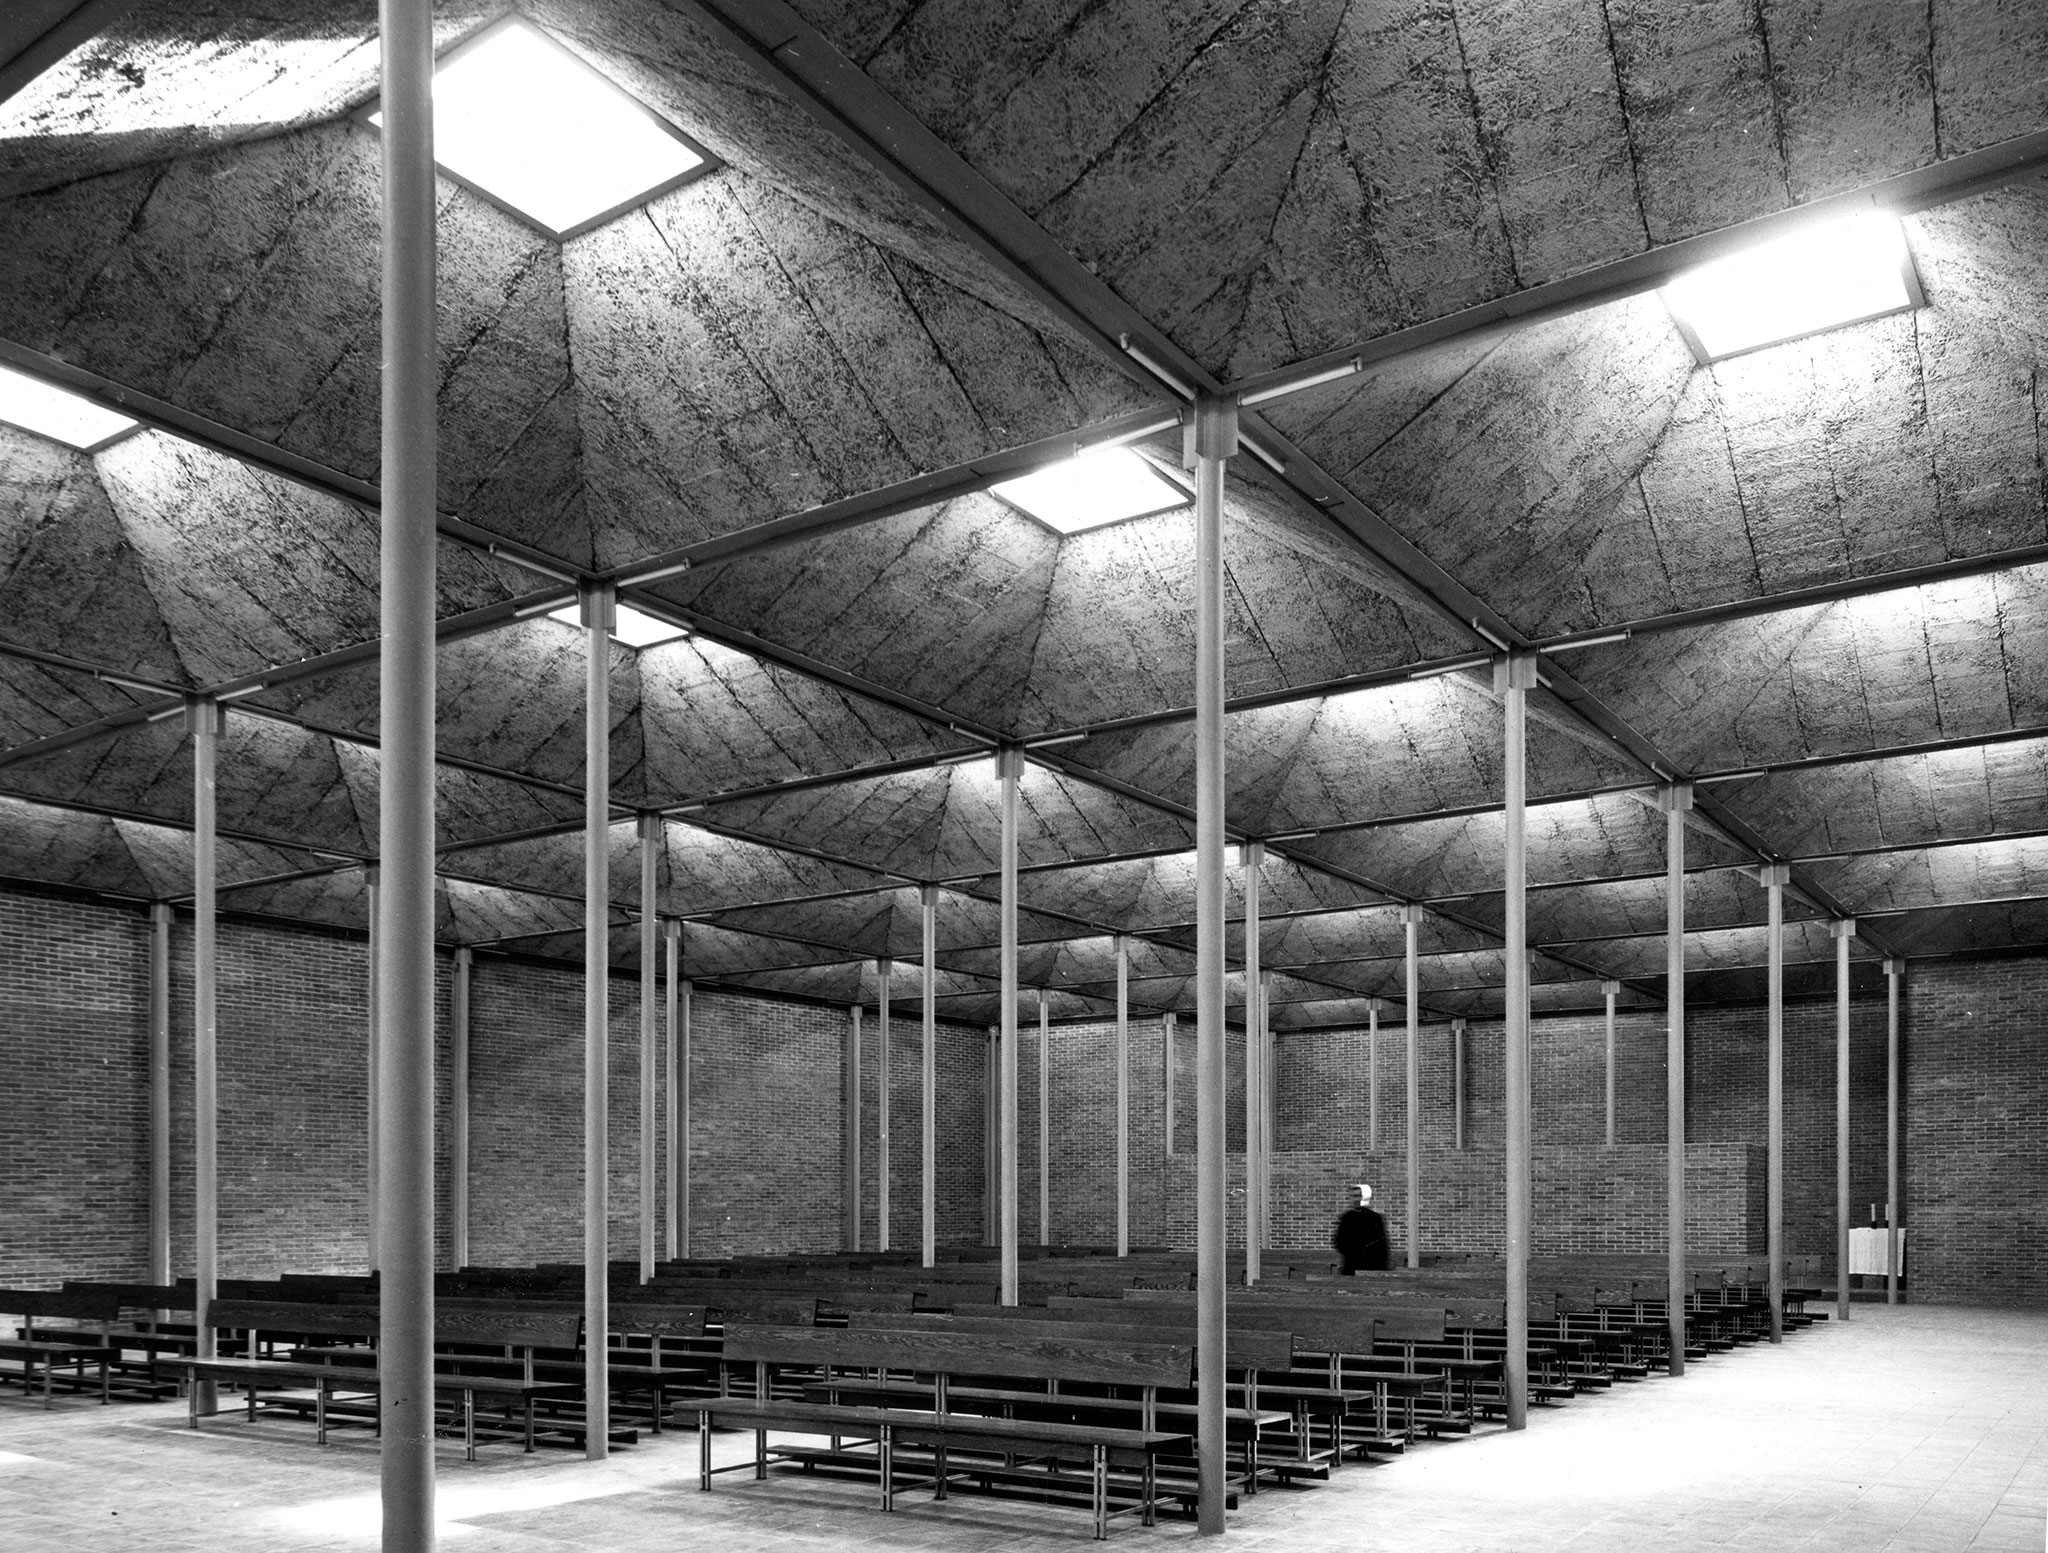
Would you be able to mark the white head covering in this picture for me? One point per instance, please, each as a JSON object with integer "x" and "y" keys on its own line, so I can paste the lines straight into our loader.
{"x": 1364, "y": 1193}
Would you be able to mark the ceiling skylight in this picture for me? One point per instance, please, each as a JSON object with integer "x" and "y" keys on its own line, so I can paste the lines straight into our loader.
{"x": 1823, "y": 278}
{"x": 1105, "y": 485}
{"x": 629, "y": 625}
{"x": 34, "y": 405}
{"x": 531, "y": 127}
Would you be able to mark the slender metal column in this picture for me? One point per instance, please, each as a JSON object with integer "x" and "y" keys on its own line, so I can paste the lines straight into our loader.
{"x": 405, "y": 839}
{"x": 1044, "y": 1120}
{"x": 1411, "y": 923}
{"x": 850, "y": 1123}
{"x": 1169, "y": 1036}
{"x": 1009, "y": 767}
{"x": 1458, "y": 1085}
{"x": 1675, "y": 800}
{"x": 882, "y": 970}
{"x": 1894, "y": 973}
{"x": 928, "y": 1087}
{"x": 1266, "y": 1081}
{"x": 458, "y": 1107}
{"x": 205, "y": 720}
{"x": 1611, "y": 990}
{"x": 599, "y": 606}
{"x": 650, "y": 941}
{"x": 160, "y": 1093}
{"x": 1214, "y": 441}
{"x": 372, "y": 1112}
{"x": 675, "y": 1120}
{"x": 1123, "y": 1096}
{"x": 991, "y": 1127}
{"x": 1514, "y": 678}
{"x": 1843, "y": 930}
{"x": 1774, "y": 877}
{"x": 1251, "y": 857}
{"x": 1372, "y": 1076}
{"x": 683, "y": 998}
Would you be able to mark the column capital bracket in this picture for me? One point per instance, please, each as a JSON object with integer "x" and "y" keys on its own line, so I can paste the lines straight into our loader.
{"x": 1611, "y": 988}
{"x": 1842, "y": 927}
{"x": 1895, "y": 965}
{"x": 1211, "y": 432}
{"x": 1514, "y": 669}
{"x": 1675, "y": 797}
{"x": 1768, "y": 874}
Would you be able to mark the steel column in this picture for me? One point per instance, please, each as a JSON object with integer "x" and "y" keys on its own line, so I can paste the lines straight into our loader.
{"x": 1843, "y": 930}
{"x": 1213, "y": 438}
{"x": 849, "y": 1124}
{"x": 1514, "y": 678}
{"x": 598, "y": 613}
{"x": 160, "y": 1093}
{"x": 1044, "y": 1120}
{"x": 882, "y": 971}
{"x": 1372, "y": 1076}
{"x": 458, "y": 1107}
{"x": 1250, "y": 859}
{"x": 1612, "y": 990}
{"x": 205, "y": 719}
{"x": 1123, "y": 1096}
{"x": 1676, "y": 801}
{"x": 1894, "y": 973}
{"x": 405, "y": 839}
{"x": 1774, "y": 877}
{"x": 680, "y": 1008}
{"x": 1411, "y": 923}
{"x": 928, "y": 1122}
{"x": 650, "y": 940}
{"x": 1169, "y": 1037}
{"x": 372, "y": 1113}
{"x": 1009, "y": 768}
{"x": 1458, "y": 1085}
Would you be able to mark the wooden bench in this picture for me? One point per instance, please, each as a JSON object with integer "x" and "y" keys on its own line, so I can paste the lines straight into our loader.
{"x": 333, "y": 1375}
{"x": 68, "y": 1345}
{"x": 1032, "y": 1453}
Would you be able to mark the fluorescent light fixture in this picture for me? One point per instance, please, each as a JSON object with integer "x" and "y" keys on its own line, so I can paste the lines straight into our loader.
{"x": 531, "y": 127}
{"x": 629, "y": 625}
{"x": 1091, "y": 490}
{"x": 1822, "y": 278}
{"x": 33, "y": 405}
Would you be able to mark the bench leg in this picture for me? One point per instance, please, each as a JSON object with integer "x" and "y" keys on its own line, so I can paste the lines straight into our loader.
{"x": 657, "y": 1407}
{"x": 1101, "y": 1492}
{"x": 1149, "y": 1487}
{"x": 252, "y": 1402}
{"x": 885, "y": 1450}
{"x": 469, "y": 1426}
{"x": 320, "y": 1412}
{"x": 760, "y": 1455}
{"x": 49, "y": 1369}
{"x": 704, "y": 1451}
{"x": 192, "y": 1400}
{"x": 529, "y": 1425}
{"x": 105, "y": 1398}
{"x": 938, "y": 1472}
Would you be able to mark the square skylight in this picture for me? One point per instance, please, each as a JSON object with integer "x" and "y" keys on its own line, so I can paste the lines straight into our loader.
{"x": 33, "y": 405}
{"x": 631, "y": 626}
{"x": 531, "y": 127}
{"x": 1102, "y": 486}
{"x": 1841, "y": 273}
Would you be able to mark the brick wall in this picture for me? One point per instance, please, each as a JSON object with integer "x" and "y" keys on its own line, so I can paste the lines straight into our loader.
{"x": 293, "y": 1016}
{"x": 1976, "y": 1150}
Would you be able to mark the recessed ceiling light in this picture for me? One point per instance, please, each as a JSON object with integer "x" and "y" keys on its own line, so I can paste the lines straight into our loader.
{"x": 531, "y": 127}
{"x": 33, "y": 405}
{"x": 1823, "y": 278}
{"x": 1104, "y": 485}
{"x": 629, "y": 625}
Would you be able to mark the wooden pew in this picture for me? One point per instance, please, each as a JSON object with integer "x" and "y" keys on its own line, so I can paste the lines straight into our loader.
{"x": 65, "y": 1345}
{"x": 992, "y": 1447}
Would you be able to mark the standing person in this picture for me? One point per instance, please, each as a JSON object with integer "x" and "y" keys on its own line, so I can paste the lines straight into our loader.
{"x": 1361, "y": 1238}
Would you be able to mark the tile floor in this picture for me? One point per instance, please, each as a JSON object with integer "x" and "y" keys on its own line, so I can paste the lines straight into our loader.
{"x": 1914, "y": 1430}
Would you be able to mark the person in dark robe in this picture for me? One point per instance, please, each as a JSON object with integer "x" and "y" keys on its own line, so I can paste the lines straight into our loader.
{"x": 1361, "y": 1238}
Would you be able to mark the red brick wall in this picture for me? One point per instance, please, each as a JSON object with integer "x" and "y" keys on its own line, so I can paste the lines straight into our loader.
{"x": 957, "y": 1125}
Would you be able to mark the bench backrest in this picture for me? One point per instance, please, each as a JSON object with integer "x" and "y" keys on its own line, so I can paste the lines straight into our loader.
{"x": 953, "y": 1353}
{"x": 56, "y": 1305}
{"x": 508, "y": 1323}
{"x": 136, "y": 1296}
{"x": 299, "y": 1318}
{"x": 1267, "y": 1350}
{"x": 651, "y": 1318}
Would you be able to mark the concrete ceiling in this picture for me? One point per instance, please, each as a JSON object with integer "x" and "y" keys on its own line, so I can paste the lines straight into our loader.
{"x": 932, "y": 224}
